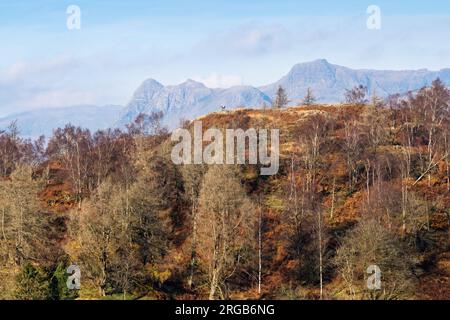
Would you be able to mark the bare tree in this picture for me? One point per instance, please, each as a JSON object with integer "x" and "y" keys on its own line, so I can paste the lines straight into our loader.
{"x": 434, "y": 108}
{"x": 15, "y": 151}
{"x": 192, "y": 178}
{"x": 73, "y": 146}
{"x": 371, "y": 244}
{"x": 123, "y": 228}
{"x": 356, "y": 95}
{"x": 375, "y": 100}
{"x": 23, "y": 222}
{"x": 226, "y": 220}
{"x": 304, "y": 203}
{"x": 353, "y": 148}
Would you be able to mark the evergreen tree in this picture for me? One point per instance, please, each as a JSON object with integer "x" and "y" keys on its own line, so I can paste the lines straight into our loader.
{"x": 281, "y": 98}
{"x": 32, "y": 284}
{"x": 58, "y": 283}
{"x": 309, "y": 99}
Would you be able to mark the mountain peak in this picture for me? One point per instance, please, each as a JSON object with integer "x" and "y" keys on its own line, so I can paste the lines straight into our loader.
{"x": 152, "y": 82}
{"x": 147, "y": 90}
{"x": 192, "y": 83}
{"x": 313, "y": 65}
{"x": 319, "y": 61}
{"x": 149, "y": 85}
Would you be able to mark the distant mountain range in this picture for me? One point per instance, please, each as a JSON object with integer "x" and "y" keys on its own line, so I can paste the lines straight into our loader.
{"x": 33, "y": 124}
{"x": 192, "y": 99}
{"x": 327, "y": 81}
{"x": 188, "y": 100}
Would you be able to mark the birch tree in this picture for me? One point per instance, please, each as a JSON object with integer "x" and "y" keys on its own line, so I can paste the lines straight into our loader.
{"x": 226, "y": 223}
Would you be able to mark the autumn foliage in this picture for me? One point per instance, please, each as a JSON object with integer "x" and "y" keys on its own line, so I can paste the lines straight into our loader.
{"x": 359, "y": 184}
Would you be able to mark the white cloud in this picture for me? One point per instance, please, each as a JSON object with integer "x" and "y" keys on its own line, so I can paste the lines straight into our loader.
{"x": 45, "y": 84}
{"x": 251, "y": 39}
{"x": 57, "y": 98}
{"x": 22, "y": 70}
{"x": 99, "y": 78}
{"x": 215, "y": 80}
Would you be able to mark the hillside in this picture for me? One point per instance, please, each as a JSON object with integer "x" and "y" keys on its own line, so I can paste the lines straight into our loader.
{"x": 359, "y": 186}
{"x": 342, "y": 209}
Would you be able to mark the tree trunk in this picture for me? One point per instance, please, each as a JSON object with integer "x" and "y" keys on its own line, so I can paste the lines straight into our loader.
{"x": 194, "y": 245}
{"x": 320, "y": 254}
{"x": 3, "y": 224}
{"x": 259, "y": 250}
{"x": 333, "y": 198}
{"x": 214, "y": 283}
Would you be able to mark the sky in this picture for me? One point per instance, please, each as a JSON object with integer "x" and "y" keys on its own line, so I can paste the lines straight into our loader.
{"x": 221, "y": 43}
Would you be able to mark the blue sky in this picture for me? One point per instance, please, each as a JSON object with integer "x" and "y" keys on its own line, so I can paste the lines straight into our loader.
{"x": 218, "y": 42}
